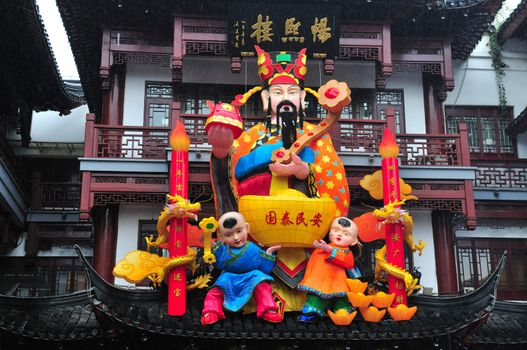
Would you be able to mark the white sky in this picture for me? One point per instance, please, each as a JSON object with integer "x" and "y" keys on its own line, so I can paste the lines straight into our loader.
{"x": 58, "y": 38}
{"x": 61, "y": 48}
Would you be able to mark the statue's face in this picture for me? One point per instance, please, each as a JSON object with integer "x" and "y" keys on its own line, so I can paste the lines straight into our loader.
{"x": 343, "y": 235}
{"x": 280, "y": 92}
{"x": 233, "y": 229}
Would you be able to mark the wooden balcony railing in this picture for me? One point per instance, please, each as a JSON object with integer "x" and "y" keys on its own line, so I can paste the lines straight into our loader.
{"x": 349, "y": 136}
{"x": 58, "y": 195}
{"x": 132, "y": 142}
{"x": 54, "y": 195}
{"x": 501, "y": 174}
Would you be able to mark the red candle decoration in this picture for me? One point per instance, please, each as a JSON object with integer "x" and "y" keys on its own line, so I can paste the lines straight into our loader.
{"x": 177, "y": 241}
{"x": 393, "y": 231}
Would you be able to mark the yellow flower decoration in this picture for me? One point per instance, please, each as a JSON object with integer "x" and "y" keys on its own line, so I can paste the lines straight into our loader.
{"x": 209, "y": 224}
{"x": 373, "y": 184}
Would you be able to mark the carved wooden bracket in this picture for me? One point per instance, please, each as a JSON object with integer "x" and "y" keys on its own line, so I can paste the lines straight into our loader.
{"x": 236, "y": 64}
{"x": 369, "y": 42}
{"x": 426, "y": 56}
{"x": 329, "y": 66}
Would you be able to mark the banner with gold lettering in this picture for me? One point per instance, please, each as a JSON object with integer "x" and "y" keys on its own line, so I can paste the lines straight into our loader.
{"x": 284, "y": 27}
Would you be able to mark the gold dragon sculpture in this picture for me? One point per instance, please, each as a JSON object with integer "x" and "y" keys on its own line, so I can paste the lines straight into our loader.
{"x": 392, "y": 213}
{"x": 138, "y": 265}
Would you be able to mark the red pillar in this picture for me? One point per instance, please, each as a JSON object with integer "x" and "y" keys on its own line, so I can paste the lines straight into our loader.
{"x": 105, "y": 225}
{"x": 113, "y": 98}
{"x": 444, "y": 252}
{"x": 434, "y": 115}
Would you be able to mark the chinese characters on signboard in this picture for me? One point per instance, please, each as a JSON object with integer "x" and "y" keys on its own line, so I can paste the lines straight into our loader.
{"x": 286, "y": 218}
{"x": 284, "y": 27}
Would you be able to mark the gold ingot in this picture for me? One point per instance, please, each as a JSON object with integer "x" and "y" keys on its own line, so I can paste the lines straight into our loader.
{"x": 289, "y": 218}
{"x": 402, "y": 312}
{"x": 355, "y": 285}
{"x": 359, "y": 299}
{"x": 382, "y": 300}
{"x": 342, "y": 317}
{"x": 372, "y": 314}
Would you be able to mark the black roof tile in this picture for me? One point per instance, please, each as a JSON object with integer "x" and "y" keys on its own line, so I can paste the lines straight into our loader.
{"x": 57, "y": 318}
{"x": 27, "y": 62}
{"x": 435, "y": 317}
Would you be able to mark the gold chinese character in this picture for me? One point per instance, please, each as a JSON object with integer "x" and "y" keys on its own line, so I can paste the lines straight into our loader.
{"x": 177, "y": 292}
{"x": 392, "y": 181}
{"x": 399, "y": 299}
{"x": 395, "y": 237}
{"x": 262, "y": 30}
{"x": 320, "y": 30}
{"x": 291, "y": 28}
{"x": 178, "y": 244}
{"x": 399, "y": 285}
{"x": 179, "y": 187}
{"x": 178, "y": 172}
{"x": 177, "y": 276}
{"x": 240, "y": 33}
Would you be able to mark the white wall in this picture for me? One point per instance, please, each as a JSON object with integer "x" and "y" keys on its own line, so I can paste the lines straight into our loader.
{"x": 128, "y": 229}
{"x": 51, "y": 127}
{"x": 414, "y": 108}
{"x": 476, "y": 84}
{"x": 426, "y": 262}
{"x": 514, "y": 232}
{"x": 134, "y": 91}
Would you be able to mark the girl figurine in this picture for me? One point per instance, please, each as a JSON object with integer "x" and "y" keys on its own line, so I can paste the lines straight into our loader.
{"x": 324, "y": 280}
{"x": 246, "y": 270}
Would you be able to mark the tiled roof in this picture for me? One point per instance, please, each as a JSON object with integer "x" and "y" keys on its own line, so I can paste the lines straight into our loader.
{"x": 121, "y": 317}
{"x": 27, "y": 62}
{"x": 146, "y": 311}
{"x": 507, "y": 325}
{"x": 519, "y": 124}
{"x": 62, "y": 318}
{"x": 515, "y": 25}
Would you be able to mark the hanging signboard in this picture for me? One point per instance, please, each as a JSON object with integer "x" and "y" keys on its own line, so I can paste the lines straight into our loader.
{"x": 284, "y": 27}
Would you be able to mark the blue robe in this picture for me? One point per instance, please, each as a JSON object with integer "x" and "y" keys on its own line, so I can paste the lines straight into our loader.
{"x": 243, "y": 269}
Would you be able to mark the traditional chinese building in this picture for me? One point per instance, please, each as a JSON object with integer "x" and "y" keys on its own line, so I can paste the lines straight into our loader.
{"x": 411, "y": 66}
{"x": 39, "y": 177}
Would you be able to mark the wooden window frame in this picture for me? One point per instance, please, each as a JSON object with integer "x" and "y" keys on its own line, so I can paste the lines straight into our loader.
{"x": 480, "y": 113}
{"x": 508, "y": 285}
{"x": 149, "y": 100}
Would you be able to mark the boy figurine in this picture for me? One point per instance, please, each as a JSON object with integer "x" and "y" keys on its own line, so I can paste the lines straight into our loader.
{"x": 326, "y": 271}
{"x": 246, "y": 270}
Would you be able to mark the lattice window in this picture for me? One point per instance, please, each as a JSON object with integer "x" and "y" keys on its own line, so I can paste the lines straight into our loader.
{"x": 477, "y": 259}
{"x": 366, "y": 104}
{"x": 486, "y": 130}
{"x": 46, "y": 277}
{"x": 158, "y": 90}
{"x": 394, "y": 99}
{"x": 158, "y": 98}
{"x": 158, "y": 114}
{"x": 466, "y": 267}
